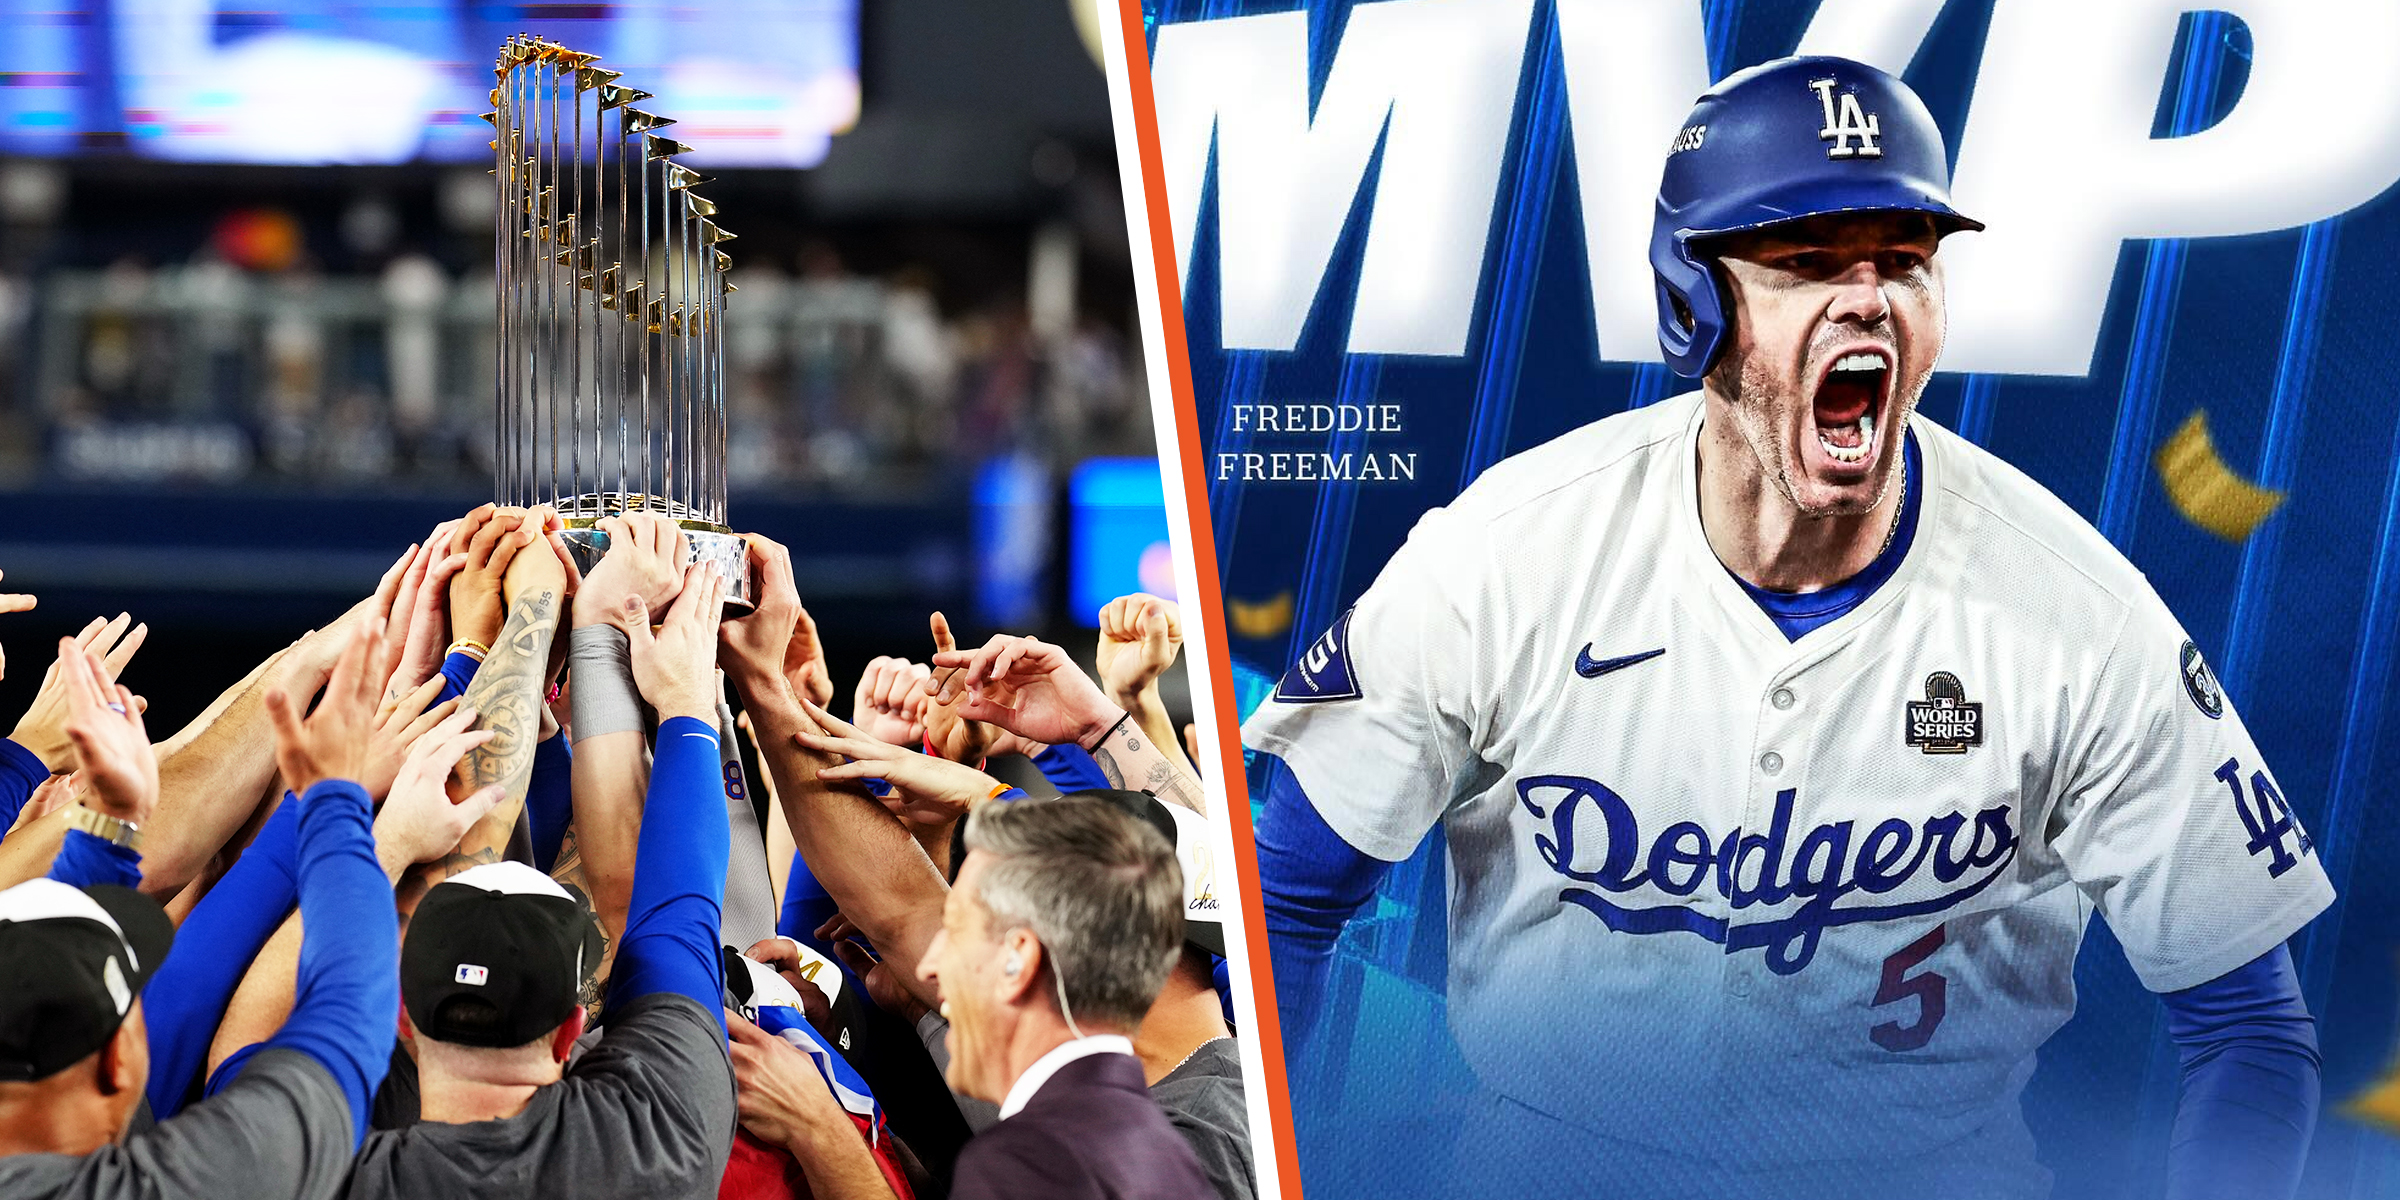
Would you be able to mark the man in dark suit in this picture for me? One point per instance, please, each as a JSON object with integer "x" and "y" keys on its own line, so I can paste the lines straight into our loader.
{"x": 1056, "y": 936}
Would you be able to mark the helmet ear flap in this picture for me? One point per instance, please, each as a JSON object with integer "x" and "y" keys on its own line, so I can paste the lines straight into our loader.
{"x": 1692, "y": 306}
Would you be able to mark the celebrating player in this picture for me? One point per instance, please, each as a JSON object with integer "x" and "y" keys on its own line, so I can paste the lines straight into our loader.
{"x": 1783, "y": 744}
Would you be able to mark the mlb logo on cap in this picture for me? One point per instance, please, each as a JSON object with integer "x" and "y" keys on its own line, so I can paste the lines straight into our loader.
{"x": 472, "y": 975}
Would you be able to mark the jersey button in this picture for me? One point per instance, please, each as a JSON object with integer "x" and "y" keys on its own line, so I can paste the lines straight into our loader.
{"x": 1783, "y": 698}
{"x": 1770, "y": 762}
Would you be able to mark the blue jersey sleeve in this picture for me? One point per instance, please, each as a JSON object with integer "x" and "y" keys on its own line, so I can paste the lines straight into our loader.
{"x": 2250, "y": 1084}
{"x": 805, "y": 907}
{"x": 346, "y": 1004}
{"x": 549, "y": 799}
{"x": 1311, "y": 882}
{"x": 670, "y": 942}
{"x": 458, "y": 670}
{"x": 21, "y": 771}
{"x": 84, "y": 860}
{"x": 1070, "y": 769}
{"x": 186, "y": 999}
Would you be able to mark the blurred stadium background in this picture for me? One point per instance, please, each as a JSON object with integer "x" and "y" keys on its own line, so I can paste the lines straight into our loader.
{"x": 246, "y": 315}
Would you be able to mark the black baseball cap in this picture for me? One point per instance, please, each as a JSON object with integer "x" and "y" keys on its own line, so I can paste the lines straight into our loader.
{"x": 1187, "y": 831}
{"x": 495, "y": 956}
{"x": 72, "y": 960}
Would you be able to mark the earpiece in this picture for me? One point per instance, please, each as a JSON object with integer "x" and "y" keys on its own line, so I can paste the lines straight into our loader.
{"x": 1015, "y": 963}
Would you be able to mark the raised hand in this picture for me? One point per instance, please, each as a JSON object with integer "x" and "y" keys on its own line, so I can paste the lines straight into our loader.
{"x": 398, "y": 725}
{"x": 546, "y": 566}
{"x": 1026, "y": 686}
{"x": 926, "y": 790}
{"x": 946, "y": 730}
{"x": 646, "y": 557}
{"x": 675, "y": 668}
{"x": 332, "y": 742}
{"x": 490, "y": 537}
{"x": 51, "y": 795}
{"x": 17, "y": 601}
{"x": 14, "y": 602}
{"x": 755, "y": 646}
{"x": 422, "y": 610}
{"x": 43, "y": 729}
{"x": 1140, "y": 635}
{"x": 890, "y": 701}
{"x": 309, "y": 662}
{"x": 418, "y": 822}
{"x": 804, "y": 665}
{"x": 104, "y": 725}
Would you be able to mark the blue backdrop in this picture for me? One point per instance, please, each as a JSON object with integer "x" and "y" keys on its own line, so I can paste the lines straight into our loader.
{"x": 2283, "y": 338}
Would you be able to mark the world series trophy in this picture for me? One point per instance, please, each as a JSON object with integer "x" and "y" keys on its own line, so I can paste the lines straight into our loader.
{"x": 611, "y": 292}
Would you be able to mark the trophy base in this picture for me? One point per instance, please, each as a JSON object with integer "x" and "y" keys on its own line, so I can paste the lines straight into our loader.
{"x": 726, "y": 551}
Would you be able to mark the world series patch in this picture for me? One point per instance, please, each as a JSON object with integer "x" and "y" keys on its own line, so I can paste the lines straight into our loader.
{"x": 1945, "y": 721}
{"x": 2200, "y": 684}
{"x": 1323, "y": 672}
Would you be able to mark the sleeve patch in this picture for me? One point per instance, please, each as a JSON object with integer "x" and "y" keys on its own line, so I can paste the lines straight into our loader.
{"x": 1323, "y": 672}
{"x": 2200, "y": 684}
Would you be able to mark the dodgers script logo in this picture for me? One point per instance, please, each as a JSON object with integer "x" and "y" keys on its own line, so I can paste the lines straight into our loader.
{"x": 1761, "y": 868}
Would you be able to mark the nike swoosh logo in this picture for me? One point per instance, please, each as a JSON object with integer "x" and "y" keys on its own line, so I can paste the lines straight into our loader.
{"x": 1594, "y": 668}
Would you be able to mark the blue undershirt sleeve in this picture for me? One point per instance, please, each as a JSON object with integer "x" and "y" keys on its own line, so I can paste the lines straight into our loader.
{"x": 549, "y": 799}
{"x": 1311, "y": 882}
{"x": 458, "y": 670}
{"x": 84, "y": 860}
{"x": 346, "y": 1004}
{"x": 2250, "y": 1084}
{"x": 670, "y": 942}
{"x": 185, "y": 1001}
{"x": 1070, "y": 769}
{"x": 21, "y": 771}
{"x": 805, "y": 907}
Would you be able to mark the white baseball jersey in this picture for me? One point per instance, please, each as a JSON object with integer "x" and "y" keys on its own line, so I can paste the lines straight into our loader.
{"x": 1715, "y": 890}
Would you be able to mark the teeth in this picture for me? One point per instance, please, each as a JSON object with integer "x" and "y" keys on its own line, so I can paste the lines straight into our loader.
{"x": 1851, "y": 454}
{"x": 1861, "y": 361}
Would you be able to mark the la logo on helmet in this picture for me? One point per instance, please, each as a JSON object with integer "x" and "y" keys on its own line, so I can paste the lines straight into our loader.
{"x": 1851, "y": 123}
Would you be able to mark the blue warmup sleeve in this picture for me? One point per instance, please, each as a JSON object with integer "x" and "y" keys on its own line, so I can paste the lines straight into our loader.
{"x": 1070, "y": 769}
{"x": 458, "y": 670}
{"x": 1311, "y": 882}
{"x": 805, "y": 907}
{"x": 185, "y": 1001}
{"x": 2250, "y": 1084}
{"x": 670, "y": 942}
{"x": 550, "y": 799}
{"x": 346, "y": 1005}
{"x": 21, "y": 771}
{"x": 85, "y": 860}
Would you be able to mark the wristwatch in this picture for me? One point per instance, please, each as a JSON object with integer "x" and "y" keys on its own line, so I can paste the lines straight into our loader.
{"x": 116, "y": 831}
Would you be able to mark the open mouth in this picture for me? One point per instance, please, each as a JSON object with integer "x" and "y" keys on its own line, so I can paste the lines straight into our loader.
{"x": 1847, "y": 400}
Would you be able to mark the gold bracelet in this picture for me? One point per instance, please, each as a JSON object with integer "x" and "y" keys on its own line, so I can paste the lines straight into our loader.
{"x": 469, "y": 647}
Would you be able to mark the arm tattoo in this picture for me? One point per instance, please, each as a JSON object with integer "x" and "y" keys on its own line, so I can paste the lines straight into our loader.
{"x": 507, "y": 696}
{"x": 568, "y": 872}
{"x": 1162, "y": 778}
{"x": 1171, "y": 784}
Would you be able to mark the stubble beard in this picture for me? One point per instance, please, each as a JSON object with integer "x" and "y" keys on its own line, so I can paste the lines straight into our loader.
{"x": 1750, "y": 391}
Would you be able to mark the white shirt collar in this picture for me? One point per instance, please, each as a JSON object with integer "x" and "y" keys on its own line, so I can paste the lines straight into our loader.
{"x": 1021, "y": 1092}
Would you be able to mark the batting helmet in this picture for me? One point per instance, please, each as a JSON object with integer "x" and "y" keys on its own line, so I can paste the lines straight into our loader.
{"x": 1792, "y": 138}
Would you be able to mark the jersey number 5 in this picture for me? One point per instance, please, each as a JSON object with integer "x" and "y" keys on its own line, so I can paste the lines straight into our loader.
{"x": 2266, "y": 817}
{"x": 1931, "y": 990}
